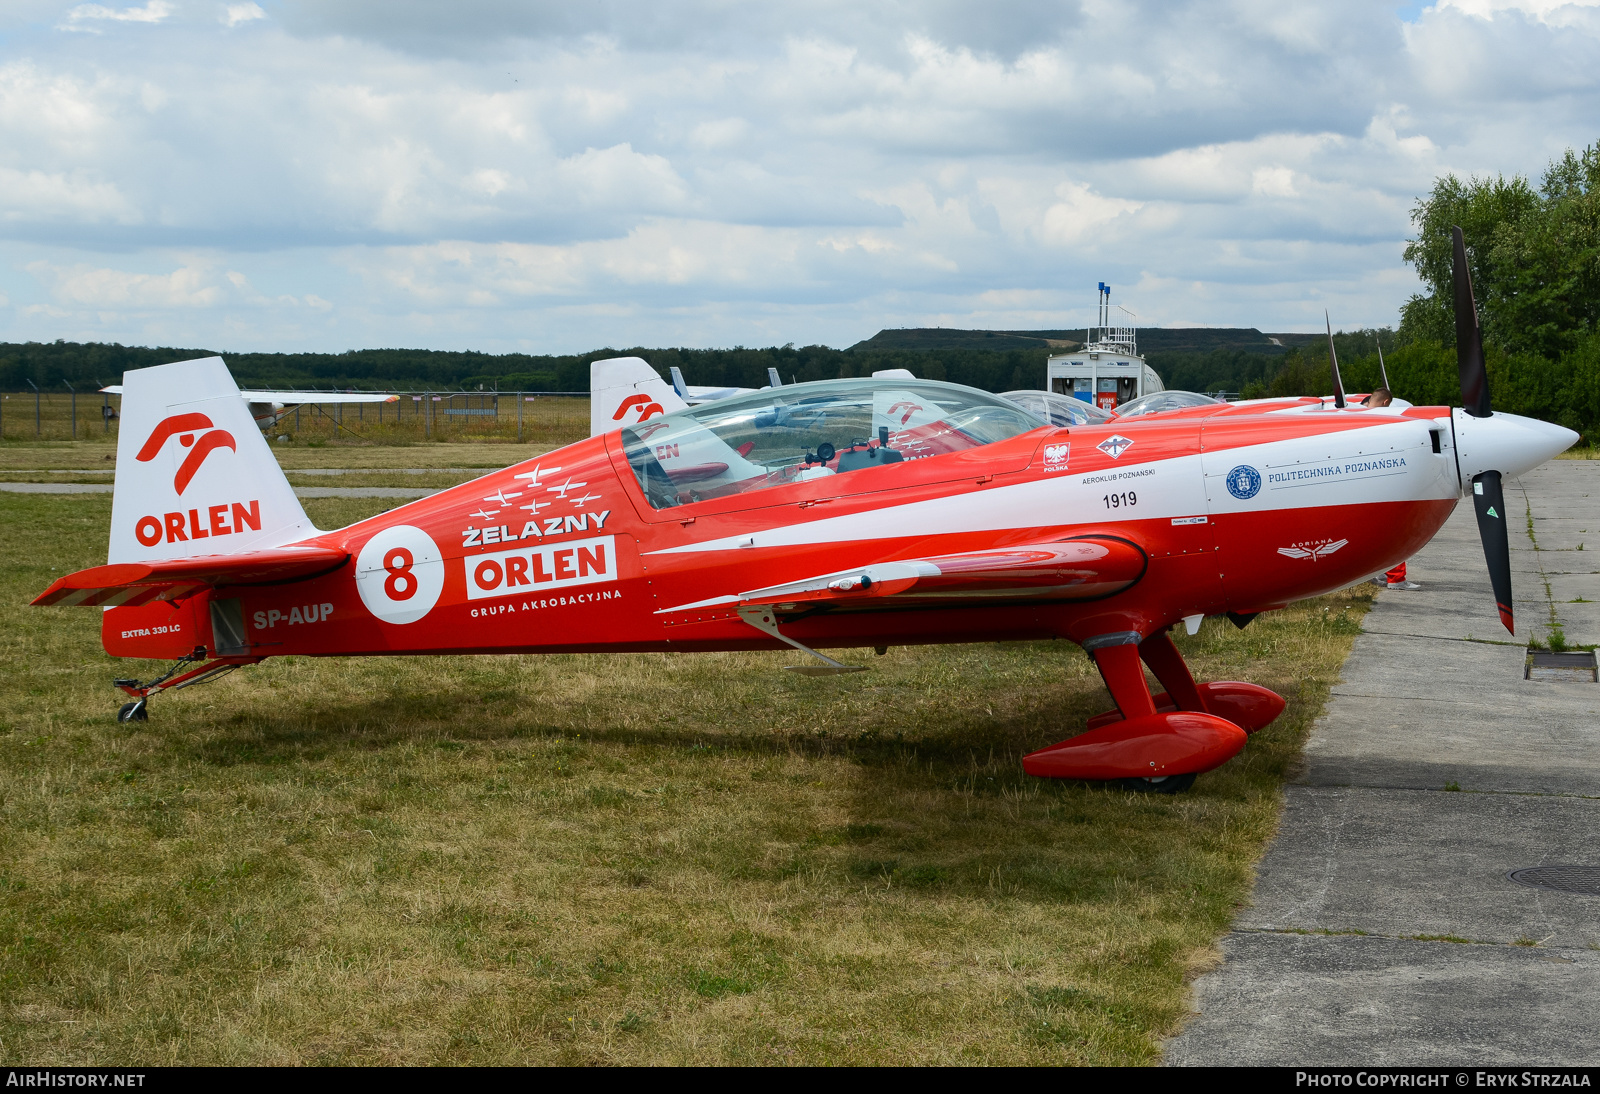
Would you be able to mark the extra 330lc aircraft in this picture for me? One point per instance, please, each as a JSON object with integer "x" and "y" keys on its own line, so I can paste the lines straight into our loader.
{"x": 845, "y": 513}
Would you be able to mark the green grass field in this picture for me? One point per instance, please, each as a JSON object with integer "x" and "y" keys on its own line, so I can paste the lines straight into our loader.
{"x": 591, "y": 859}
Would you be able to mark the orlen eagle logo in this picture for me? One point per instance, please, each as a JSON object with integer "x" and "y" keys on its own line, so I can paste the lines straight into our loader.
{"x": 184, "y": 427}
{"x": 215, "y": 522}
{"x": 647, "y": 407}
{"x": 909, "y": 407}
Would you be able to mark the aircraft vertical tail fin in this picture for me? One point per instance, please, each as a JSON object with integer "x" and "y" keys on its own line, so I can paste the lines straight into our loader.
{"x": 626, "y": 391}
{"x": 773, "y": 378}
{"x": 194, "y": 474}
{"x": 678, "y": 384}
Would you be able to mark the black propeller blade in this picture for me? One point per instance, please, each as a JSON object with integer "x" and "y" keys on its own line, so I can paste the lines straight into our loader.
{"x": 1488, "y": 495}
{"x": 1333, "y": 362}
{"x": 1490, "y": 501}
{"x": 1469, "y": 340}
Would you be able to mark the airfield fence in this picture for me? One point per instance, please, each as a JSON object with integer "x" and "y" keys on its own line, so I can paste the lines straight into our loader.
{"x": 510, "y": 417}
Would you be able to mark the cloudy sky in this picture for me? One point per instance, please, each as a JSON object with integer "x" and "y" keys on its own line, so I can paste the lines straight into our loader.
{"x": 550, "y": 177}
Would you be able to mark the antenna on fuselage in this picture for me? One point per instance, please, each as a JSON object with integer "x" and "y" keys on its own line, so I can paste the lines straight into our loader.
{"x": 1383, "y": 373}
{"x": 1333, "y": 362}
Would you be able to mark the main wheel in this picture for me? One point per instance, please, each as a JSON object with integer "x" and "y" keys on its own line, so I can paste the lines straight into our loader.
{"x": 133, "y": 712}
{"x": 1165, "y": 784}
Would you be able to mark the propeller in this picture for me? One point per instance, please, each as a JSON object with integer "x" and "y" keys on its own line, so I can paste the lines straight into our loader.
{"x": 1469, "y": 339}
{"x": 1488, "y": 493}
{"x": 1490, "y": 501}
{"x": 1333, "y": 361}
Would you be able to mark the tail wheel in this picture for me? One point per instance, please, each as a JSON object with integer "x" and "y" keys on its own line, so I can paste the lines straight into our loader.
{"x": 1165, "y": 784}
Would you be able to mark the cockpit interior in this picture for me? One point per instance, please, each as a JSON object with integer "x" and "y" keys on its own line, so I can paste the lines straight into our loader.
{"x": 800, "y": 432}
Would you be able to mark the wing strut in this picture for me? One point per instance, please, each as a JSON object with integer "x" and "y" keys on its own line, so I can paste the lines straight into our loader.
{"x": 764, "y": 619}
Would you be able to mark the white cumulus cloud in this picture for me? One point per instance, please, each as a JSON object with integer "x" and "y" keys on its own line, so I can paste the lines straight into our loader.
{"x": 494, "y": 174}
{"x": 234, "y": 14}
{"x": 84, "y": 15}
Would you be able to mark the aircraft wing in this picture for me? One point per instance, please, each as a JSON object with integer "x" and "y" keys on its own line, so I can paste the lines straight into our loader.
{"x": 140, "y": 582}
{"x": 289, "y": 397}
{"x": 1080, "y": 568}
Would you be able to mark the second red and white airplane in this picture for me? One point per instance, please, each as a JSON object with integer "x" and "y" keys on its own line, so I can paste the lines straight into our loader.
{"x": 847, "y": 513}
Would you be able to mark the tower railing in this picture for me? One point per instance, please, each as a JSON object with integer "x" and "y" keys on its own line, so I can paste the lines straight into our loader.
{"x": 1114, "y": 331}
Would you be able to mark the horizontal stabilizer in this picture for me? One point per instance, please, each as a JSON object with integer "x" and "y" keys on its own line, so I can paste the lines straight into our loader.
{"x": 1082, "y": 568}
{"x": 133, "y": 583}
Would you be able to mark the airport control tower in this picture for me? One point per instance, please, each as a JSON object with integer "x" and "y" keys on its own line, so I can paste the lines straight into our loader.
{"x": 1108, "y": 370}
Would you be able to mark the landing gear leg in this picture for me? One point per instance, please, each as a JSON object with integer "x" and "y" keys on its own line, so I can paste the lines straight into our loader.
{"x": 1159, "y": 652}
{"x": 1119, "y": 668}
{"x": 1248, "y": 706}
{"x": 175, "y": 677}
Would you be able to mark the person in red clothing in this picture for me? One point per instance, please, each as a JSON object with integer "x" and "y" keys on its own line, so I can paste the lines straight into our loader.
{"x": 1395, "y": 578}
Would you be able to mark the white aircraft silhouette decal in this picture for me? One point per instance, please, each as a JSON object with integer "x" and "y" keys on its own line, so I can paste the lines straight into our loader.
{"x": 533, "y": 476}
{"x": 1321, "y": 551}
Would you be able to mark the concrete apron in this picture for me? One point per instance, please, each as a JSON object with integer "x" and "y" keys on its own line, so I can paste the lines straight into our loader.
{"x": 1383, "y": 929}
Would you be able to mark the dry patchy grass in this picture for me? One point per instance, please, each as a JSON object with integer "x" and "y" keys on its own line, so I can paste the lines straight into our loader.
{"x": 613, "y": 859}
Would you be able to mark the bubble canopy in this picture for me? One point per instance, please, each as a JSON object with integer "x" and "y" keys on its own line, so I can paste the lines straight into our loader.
{"x": 1157, "y": 401}
{"x": 1062, "y": 410}
{"x": 784, "y": 435}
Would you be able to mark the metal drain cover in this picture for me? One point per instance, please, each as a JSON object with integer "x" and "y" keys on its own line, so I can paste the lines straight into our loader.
{"x": 1545, "y": 665}
{"x": 1559, "y": 879}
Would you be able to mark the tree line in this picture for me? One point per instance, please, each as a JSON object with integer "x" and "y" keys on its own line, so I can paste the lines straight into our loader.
{"x": 90, "y": 365}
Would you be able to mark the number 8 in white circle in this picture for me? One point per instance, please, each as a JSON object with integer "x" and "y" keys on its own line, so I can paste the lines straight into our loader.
{"x": 400, "y": 574}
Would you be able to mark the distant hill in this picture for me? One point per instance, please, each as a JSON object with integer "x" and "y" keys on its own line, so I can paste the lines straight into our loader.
{"x": 1151, "y": 340}
{"x": 900, "y": 339}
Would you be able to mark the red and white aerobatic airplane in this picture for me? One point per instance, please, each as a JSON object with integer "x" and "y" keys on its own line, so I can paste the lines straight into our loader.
{"x": 845, "y": 513}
